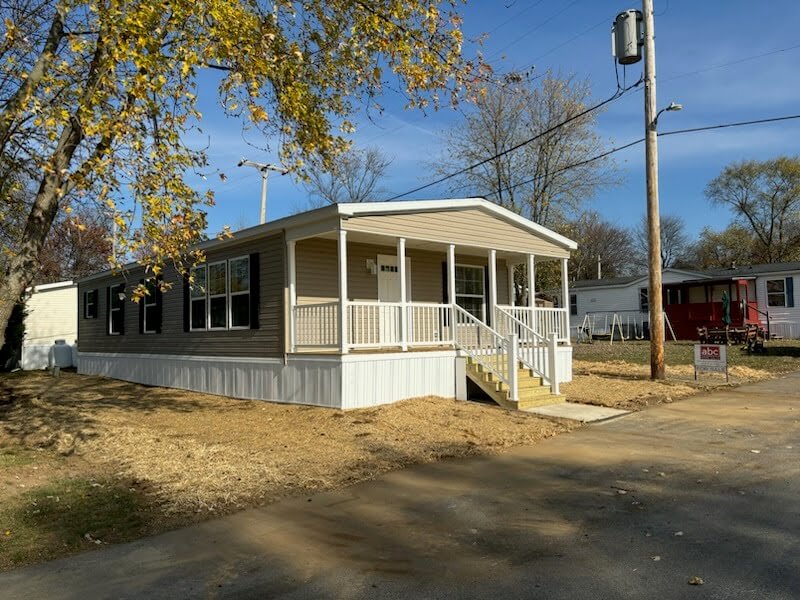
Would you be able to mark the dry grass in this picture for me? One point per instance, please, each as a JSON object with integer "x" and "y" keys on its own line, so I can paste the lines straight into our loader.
{"x": 182, "y": 456}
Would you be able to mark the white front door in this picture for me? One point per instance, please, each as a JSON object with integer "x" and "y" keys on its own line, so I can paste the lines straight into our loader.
{"x": 389, "y": 291}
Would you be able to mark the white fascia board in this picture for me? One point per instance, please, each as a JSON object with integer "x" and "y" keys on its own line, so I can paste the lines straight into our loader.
{"x": 771, "y": 274}
{"x": 412, "y": 206}
{"x": 50, "y": 286}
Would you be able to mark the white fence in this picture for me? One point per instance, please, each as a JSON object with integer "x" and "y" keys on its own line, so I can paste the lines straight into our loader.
{"x": 316, "y": 324}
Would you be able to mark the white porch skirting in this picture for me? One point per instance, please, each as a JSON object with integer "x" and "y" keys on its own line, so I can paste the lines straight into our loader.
{"x": 335, "y": 381}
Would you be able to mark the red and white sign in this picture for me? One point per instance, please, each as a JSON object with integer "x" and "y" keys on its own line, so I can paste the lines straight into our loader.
{"x": 711, "y": 357}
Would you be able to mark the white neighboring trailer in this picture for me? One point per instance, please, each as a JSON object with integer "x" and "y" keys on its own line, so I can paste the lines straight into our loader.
{"x": 51, "y": 313}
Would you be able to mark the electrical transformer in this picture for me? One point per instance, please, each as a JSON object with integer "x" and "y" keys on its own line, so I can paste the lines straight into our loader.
{"x": 627, "y": 37}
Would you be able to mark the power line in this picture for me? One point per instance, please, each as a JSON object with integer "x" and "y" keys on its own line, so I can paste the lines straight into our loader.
{"x": 618, "y": 94}
{"x": 499, "y": 52}
{"x": 731, "y": 63}
{"x": 639, "y": 141}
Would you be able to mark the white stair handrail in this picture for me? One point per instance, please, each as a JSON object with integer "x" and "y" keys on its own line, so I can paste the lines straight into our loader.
{"x": 535, "y": 351}
{"x": 487, "y": 347}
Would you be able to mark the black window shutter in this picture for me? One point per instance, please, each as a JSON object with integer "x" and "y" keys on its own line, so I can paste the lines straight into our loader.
{"x": 790, "y": 292}
{"x": 95, "y": 303}
{"x": 108, "y": 310}
{"x": 187, "y": 303}
{"x": 141, "y": 310}
{"x": 486, "y": 295}
{"x": 255, "y": 289}
{"x": 122, "y": 311}
{"x": 159, "y": 303}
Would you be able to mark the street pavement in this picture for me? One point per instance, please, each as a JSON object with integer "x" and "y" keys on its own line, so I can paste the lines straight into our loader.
{"x": 629, "y": 508}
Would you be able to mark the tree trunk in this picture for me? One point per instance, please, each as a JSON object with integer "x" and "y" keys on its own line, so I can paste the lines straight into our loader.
{"x": 24, "y": 264}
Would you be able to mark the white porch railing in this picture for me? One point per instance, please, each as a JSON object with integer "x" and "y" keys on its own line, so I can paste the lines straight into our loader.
{"x": 488, "y": 348}
{"x": 373, "y": 324}
{"x": 535, "y": 351}
{"x": 316, "y": 324}
{"x": 542, "y": 321}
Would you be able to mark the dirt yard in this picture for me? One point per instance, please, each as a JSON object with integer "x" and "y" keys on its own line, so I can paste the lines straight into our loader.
{"x": 87, "y": 460}
{"x": 618, "y": 375}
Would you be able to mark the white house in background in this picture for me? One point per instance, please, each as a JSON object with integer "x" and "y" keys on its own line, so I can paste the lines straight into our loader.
{"x": 761, "y": 294}
{"x": 51, "y": 313}
{"x": 600, "y": 299}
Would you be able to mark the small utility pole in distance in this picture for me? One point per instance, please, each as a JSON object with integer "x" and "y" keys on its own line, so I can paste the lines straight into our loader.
{"x": 264, "y": 169}
{"x": 653, "y": 220}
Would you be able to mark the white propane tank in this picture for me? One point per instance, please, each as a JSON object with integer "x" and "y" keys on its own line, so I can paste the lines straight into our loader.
{"x": 627, "y": 37}
{"x": 62, "y": 354}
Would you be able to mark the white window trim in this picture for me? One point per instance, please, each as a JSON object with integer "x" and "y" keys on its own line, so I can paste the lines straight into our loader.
{"x": 203, "y": 298}
{"x": 211, "y": 296}
{"x": 232, "y": 294}
{"x": 112, "y": 310}
{"x": 783, "y": 293}
{"x": 481, "y": 296}
{"x": 86, "y": 314}
{"x": 149, "y": 302}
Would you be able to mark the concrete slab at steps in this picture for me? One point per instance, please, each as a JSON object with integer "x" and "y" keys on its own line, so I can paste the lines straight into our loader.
{"x": 585, "y": 413}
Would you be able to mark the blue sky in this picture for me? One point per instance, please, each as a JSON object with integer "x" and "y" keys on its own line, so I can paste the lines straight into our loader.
{"x": 690, "y": 36}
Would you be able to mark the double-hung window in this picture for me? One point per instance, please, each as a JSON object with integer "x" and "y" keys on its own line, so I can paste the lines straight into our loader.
{"x": 116, "y": 309}
{"x": 776, "y": 292}
{"x": 221, "y": 295}
{"x": 470, "y": 290}
{"x": 217, "y": 296}
{"x": 573, "y": 304}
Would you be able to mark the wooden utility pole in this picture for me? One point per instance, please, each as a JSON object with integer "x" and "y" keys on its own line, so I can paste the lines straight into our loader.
{"x": 653, "y": 218}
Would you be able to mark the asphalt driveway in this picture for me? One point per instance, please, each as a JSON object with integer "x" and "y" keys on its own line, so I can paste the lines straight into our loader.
{"x": 632, "y": 508}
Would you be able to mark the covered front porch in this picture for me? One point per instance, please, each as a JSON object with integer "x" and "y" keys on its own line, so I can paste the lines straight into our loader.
{"x": 355, "y": 292}
{"x": 378, "y": 284}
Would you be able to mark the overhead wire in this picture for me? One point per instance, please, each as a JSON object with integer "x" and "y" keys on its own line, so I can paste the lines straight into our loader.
{"x": 618, "y": 94}
{"x": 639, "y": 141}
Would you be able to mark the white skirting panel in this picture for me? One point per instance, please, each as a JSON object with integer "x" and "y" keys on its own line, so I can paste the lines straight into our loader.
{"x": 301, "y": 381}
{"x": 372, "y": 379}
{"x": 335, "y": 381}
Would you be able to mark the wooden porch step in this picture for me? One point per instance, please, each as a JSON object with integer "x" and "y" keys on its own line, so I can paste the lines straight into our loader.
{"x": 532, "y": 391}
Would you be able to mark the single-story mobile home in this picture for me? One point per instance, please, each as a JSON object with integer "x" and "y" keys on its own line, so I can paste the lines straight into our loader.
{"x": 349, "y": 305}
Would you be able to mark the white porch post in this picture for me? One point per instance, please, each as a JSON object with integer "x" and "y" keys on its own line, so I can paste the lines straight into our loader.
{"x": 401, "y": 268}
{"x": 343, "y": 328}
{"x": 292, "y": 267}
{"x": 531, "y": 282}
{"x": 492, "y": 287}
{"x": 565, "y": 296}
{"x": 512, "y": 296}
{"x": 451, "y": 288}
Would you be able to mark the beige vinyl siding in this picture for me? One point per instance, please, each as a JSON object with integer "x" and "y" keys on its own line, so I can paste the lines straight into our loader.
{"x": 50, "y": 315}
{"x": 266, "y": 341}
{"x": 470, "y": 227}
{"x": 317, "y": 272}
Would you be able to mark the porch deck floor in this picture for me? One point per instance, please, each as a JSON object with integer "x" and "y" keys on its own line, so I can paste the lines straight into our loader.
{"x": 380, "y": 350}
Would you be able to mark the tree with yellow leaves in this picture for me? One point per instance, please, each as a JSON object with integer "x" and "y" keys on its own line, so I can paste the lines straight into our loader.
{"x": 97, "y": 98}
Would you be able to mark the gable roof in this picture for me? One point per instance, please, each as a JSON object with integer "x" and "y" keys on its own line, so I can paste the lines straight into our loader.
{"x": 358, "y": 209}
